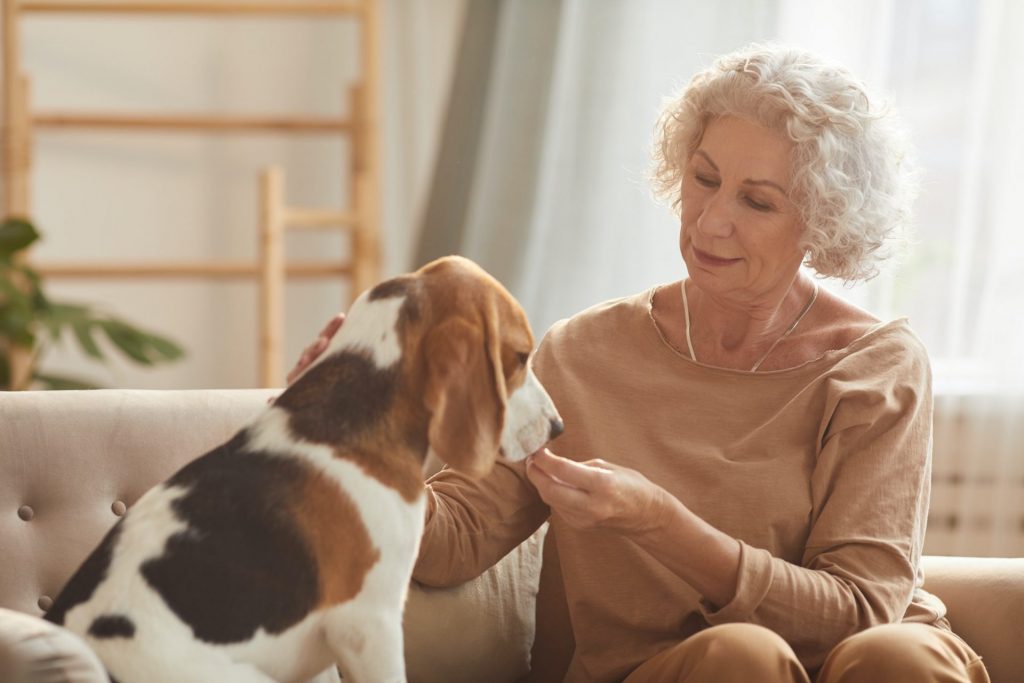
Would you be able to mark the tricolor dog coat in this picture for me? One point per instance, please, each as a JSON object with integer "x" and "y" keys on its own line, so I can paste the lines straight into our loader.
{"x": 290, "y": 548}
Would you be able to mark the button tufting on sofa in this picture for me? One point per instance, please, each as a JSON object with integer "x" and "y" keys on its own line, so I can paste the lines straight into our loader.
{"x": 26, "y": 513}
{"x": 119, "y": 508}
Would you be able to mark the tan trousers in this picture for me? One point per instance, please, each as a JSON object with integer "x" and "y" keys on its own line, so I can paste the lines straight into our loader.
{"x": 744, "y": 652}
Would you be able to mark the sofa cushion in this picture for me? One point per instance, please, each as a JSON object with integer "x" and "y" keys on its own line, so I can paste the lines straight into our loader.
{"x": 984, "y": 597}
{"x": 479, "y": 631}
{"x": 71, "y": 461}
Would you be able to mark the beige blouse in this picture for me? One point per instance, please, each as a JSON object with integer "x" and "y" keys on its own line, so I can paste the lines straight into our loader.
{"x": 821, "y": 471}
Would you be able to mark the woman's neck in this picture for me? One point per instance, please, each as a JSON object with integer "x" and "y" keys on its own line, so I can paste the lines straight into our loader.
{"x": 735, "y": 332}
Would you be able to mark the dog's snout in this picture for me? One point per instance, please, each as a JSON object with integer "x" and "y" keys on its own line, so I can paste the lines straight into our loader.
{"x": 557, "y": 427}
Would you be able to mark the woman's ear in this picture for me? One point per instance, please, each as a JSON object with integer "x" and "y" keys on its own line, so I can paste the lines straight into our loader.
{"x": 466, "y": 403}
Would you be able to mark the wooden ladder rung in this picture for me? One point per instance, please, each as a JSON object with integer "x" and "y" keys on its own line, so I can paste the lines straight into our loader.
{"x": 217, "y": 270}
{"x": 323, "y": 7}
{"x": 318, "y": 219}
{"x": 192, "y": 122}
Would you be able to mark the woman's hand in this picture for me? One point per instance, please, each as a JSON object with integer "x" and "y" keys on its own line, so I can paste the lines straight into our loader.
{"x": 313, "y": 351}
{"x": 597, "y": 494}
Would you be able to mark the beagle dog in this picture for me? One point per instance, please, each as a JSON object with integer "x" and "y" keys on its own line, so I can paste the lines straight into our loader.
{"x": 290, "y": 548}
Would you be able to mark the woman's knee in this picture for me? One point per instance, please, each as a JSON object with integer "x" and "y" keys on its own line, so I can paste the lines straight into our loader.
{"x": 731, "y": 640}
{"x": 912, "y": 652}
{"x": 739, "y": 652}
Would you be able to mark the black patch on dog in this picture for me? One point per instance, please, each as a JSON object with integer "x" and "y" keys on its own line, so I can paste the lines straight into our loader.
{"x": 398, "y": 286}
{"x": 338, "y": 399}
{"x": 112, "y": 626}
{"x": 242, "y": 564}
{"x": 84, "y": 581}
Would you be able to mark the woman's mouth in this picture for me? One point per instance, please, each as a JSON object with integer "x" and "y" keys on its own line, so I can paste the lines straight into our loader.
{"x": 710, "y": 260}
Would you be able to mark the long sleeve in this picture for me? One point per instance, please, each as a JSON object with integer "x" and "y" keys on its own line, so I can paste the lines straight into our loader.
{"x": 472, "y": 524}
{"x": 870, "y": 489}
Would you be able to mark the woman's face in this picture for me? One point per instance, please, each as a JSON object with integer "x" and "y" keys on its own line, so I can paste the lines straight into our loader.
{"x": 740, "y": 231}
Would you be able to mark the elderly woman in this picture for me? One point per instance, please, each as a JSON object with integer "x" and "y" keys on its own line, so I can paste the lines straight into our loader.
{"x": 741, "y": 490}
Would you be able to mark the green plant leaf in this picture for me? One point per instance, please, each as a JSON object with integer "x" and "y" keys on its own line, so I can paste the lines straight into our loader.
{"x": 16, "y": 323}
{"x": 10, "y": 292}
{"x": 165, "y": 349}
{"x": 61, "y": 383}
{"x": 83, "y": 334}
{"x": 61, "y": 314}
{"x": 55, "y": 317}
{"x": 15, "y": 235}
{"x": 25, "y": 310}
{"x": 39, "y": 299}
{"x": 139, "y": 345}
{"x": 127, "y": 339}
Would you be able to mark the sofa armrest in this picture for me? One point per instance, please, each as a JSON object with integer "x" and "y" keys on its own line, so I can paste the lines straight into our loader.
{"x": 985, "y": 599}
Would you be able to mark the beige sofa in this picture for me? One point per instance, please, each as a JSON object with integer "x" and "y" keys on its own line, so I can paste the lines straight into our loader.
{"x": 72, "y": 462}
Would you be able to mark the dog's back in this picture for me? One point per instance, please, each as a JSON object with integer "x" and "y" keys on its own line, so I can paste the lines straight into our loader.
{"x": 220, "y": 546}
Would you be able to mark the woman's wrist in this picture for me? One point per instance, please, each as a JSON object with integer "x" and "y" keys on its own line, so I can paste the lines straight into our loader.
{"x": 703, "y": 556}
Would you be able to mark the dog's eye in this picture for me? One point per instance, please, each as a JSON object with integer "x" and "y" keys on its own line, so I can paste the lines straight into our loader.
{"x": 523, "y": 358}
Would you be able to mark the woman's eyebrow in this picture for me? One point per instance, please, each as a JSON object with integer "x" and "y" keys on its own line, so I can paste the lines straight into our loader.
{"x": 746, "y": 181}
{"x": 768, "y": 183}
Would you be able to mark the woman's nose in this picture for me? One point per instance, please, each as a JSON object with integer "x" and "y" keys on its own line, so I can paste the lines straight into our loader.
{"x": 715, "y": 219}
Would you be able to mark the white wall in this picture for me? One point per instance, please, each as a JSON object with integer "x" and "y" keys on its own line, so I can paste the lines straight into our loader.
{"x": 115, "y": 196}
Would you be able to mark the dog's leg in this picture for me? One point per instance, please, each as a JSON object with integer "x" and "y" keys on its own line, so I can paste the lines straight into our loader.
{"x": 369, "y": 649}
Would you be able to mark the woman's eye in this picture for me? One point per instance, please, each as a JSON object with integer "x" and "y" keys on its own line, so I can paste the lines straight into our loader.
{"x": 706, "y": 181}
{"x": 758, "y": 206}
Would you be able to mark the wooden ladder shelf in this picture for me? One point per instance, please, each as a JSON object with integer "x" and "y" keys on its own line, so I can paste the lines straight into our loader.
{"x": 272, "y": 270}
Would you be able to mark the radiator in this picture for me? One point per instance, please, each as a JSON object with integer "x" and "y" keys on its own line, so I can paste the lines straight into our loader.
{"x": 977, "y": 505}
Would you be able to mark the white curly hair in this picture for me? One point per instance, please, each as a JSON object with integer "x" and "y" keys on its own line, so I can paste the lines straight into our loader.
{"x": 853, "y": 179}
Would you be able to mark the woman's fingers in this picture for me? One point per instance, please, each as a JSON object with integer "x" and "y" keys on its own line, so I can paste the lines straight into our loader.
{"x": 596, "y": 494}
{"x": 332, "y": 327}
{"x": 587, "y": 476}
{"x": 554, "y": 492}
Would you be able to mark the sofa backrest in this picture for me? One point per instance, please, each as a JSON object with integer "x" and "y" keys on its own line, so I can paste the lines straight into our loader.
{"x": 71, "y": 462}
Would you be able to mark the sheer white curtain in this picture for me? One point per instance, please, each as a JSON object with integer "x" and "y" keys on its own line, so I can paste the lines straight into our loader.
{"x": 590, "y": 230}
{"x": 955, "y": 70}
{"x": 561, "y": 211}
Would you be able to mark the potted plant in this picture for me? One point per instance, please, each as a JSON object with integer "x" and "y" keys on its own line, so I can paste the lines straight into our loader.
{"x": 30, "y": 322}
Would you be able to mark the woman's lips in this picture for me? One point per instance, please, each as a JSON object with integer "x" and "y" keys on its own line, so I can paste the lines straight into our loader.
{"x": 709, "y": 260}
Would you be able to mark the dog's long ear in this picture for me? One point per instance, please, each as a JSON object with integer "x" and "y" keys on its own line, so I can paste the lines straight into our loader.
{"x": 465, "y": 395}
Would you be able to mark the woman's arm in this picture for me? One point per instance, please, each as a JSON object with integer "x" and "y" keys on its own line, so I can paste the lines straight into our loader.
{"x": 597, "y": 494}
{"x": 472, "y": 524}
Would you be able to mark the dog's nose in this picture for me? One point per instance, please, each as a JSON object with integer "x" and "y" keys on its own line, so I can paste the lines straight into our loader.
{"x": 557, "y": 427}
